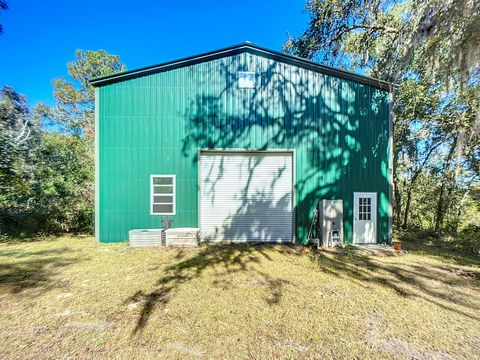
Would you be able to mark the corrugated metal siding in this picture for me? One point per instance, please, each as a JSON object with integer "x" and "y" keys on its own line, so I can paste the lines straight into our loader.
{"x": 156, "y": 124}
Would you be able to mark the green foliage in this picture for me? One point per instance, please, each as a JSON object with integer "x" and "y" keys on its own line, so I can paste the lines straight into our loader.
{"x": 346, "y": 33}
{"x": 470, "y": 204}
{"x": 55, "y": 195}
{"x": 47, "y": 177}
{"x": 64, "y": 187}
{"x": 386, "y": 36}
{"x": 75, "y": 97}
{"x": 464, "y": 243}
{"x": 18, "y": 136}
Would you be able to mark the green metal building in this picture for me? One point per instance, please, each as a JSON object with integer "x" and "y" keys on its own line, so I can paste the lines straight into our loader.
{"x": 243, "y": 143}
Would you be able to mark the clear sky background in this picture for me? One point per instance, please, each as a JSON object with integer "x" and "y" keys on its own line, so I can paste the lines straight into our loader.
{"x": 40, "y": 37}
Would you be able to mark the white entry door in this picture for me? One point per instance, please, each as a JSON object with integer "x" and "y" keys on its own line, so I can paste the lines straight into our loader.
{"x": 364, "y": 218}
{"x": 246, "y": 196}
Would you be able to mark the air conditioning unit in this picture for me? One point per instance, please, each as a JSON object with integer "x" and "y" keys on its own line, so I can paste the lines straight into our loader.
{"x": 182, "y": 237}
{"x": 145, "y": 237}
{"x": 330, "y": 222}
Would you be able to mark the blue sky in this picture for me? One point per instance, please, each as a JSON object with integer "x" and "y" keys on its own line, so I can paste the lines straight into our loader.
{"x": 40, "y": 37}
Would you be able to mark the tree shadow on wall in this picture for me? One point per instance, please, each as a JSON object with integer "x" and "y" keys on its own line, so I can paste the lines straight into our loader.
{"x": 318, "y": 115}
{"x": 253, "y": 209}
{"x": 253, "y": 196}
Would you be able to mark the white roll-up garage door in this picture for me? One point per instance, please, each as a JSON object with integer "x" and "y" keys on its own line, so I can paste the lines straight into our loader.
{"x": 246, "y": 196}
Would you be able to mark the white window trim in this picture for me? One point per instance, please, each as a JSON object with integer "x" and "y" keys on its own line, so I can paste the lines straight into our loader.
{"x": 174, "y": 184}
{"x": 243, "y": 82}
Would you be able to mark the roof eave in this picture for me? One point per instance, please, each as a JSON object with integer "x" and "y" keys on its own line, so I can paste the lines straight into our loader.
{"x": 108, "y": 79}
{"x": 235, "y": 49}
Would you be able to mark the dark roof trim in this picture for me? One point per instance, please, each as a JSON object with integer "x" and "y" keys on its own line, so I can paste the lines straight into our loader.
{"x": 234, "y": 50}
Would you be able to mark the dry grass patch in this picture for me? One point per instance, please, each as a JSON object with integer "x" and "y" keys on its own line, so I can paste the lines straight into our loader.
{"x": 73, "y": 298}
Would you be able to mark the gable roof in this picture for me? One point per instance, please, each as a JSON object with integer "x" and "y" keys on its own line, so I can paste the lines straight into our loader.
{"x": 234, "y": 50}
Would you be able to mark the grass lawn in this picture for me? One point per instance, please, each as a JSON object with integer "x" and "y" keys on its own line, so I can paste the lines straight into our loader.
{"x": 73, "y": 298}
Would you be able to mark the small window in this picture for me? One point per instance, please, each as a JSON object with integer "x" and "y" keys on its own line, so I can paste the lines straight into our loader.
{"x": 364, "y": 209}
{"x": 246, "y": 80}
{"x": 162, "y": 195}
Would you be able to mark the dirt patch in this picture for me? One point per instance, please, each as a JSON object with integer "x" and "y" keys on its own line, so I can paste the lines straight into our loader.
{"x": 68, "y": 312}
{"x": 185, "y": 349}
{"x": 90, "y": 326}
{"x": 64, "y": 295}
{"x": 462, "y": 272}
{"x": 65, "y": 313}
{"x": 290, "y": 345}
{"x": 377, "y": 335}
{"x": 135, "y": 305}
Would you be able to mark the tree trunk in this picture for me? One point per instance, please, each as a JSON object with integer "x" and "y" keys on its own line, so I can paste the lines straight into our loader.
{"x": 397, "y": 196}
{"x": 440, "y": 212}
{"x": 460, "y": 210}
{"x": 397, "y": 201}
{"x": 407, "y": 208}
{"x": 463, "y": 202}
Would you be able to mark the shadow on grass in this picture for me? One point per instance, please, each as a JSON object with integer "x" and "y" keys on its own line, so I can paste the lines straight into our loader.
{"x": 232, "y": 258}
{"x": 439, "y": 284}
{"x": 22, "y": 269}
{"x": 452, "y": 249}
{"x": 428, "y": 282}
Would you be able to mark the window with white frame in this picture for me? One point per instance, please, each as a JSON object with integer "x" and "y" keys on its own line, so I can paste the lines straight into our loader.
{"x": 162, "y": 195}
{"x": 364, "y": 208}
{"x": 246, "y": 80}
